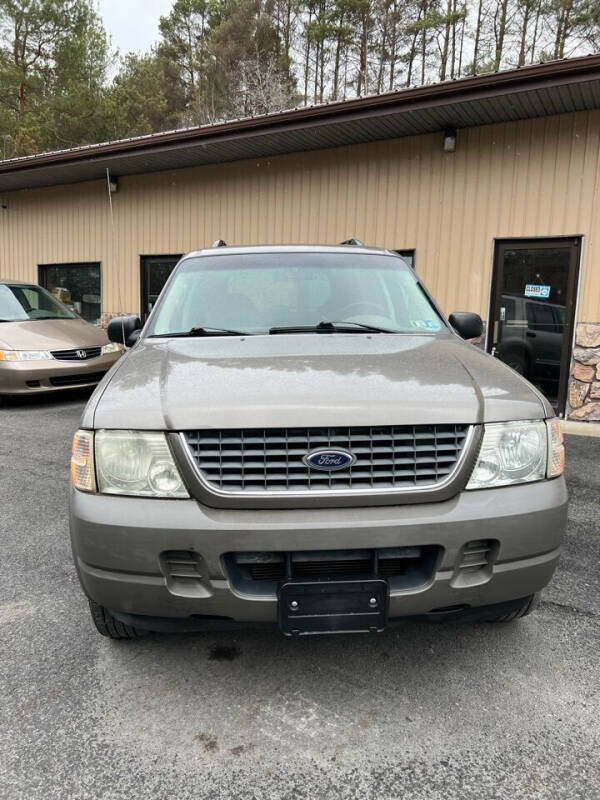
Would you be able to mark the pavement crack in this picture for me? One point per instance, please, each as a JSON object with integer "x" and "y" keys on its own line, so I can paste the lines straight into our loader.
{"x": 573, "y": 609}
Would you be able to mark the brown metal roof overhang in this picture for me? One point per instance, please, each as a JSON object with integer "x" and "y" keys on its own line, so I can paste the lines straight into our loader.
{"x": 555, "y": 87}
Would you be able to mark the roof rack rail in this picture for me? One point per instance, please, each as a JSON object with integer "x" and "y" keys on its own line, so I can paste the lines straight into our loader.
{"x": 219, "y": 243}
{"x": 354, "y": 242}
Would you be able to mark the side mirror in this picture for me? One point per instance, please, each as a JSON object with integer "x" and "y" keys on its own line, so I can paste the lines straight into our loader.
{"x": 467, "y": 325}
{"x": 124, "y": 330}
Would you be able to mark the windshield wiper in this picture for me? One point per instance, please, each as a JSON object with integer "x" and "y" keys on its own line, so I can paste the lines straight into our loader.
{"x": 199, "y": 332}
{"x": 326, "y": 326}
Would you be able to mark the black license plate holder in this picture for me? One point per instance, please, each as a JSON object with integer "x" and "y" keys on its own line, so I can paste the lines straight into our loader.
{"x": 344, "y": 605}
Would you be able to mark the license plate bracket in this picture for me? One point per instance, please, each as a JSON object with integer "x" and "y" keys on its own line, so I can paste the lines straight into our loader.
{"x": 338, "y": 605}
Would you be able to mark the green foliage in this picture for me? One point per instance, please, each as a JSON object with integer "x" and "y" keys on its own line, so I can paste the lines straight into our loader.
{"x": 53, "y": 60}
{"x": 227, "y": 54}
{"x": 62, "y": 85}
{"x": 145, "y": 97}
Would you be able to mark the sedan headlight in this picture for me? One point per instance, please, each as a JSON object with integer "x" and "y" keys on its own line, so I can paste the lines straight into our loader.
{"x": 125, "y": 463}
{"x": 111, "y": 347}
{"x": 518, "y": 452}
{"x": 25, "y": 355}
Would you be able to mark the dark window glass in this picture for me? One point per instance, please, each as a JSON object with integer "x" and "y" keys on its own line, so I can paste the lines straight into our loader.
{"x": 155, "y": 273}
{"x": 78, "y": 286}
{"x": 540, "y": 317}
{"x": 529, "y": 332}
{"x": 559, "y": 316}
{"x": 507, "y": 309}
{"x": 20, "y": 303}
{"x": 408, "y": 256}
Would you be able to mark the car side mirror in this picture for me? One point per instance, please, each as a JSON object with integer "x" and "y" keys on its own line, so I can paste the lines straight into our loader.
{"x": 466, "y": 324}
{"x": 124, "y": 330}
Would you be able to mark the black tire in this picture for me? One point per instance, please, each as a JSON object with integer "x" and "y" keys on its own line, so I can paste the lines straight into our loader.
{"x": 109, "y": 626}
{"x": 528, "y": 605}
{"x": 518, "y": 361}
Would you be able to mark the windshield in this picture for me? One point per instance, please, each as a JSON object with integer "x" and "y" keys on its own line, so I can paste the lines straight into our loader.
{"x": 257, "y": 292}
{"x": 19, "y": 303}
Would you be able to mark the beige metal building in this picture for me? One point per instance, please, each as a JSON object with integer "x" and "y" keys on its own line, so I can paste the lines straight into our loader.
{"x": 490, "y": 186}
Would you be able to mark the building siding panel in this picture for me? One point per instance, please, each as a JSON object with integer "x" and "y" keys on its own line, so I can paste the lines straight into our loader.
{"x": 529, "y": 178}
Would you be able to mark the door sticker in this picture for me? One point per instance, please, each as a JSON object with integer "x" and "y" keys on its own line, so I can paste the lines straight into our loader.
{"x": 537, "y": 290}
{"x": 425, "y": 324}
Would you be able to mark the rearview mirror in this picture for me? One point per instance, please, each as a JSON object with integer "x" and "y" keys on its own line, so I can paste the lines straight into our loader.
{"x": 124, "y": 330}
{"x": 466, "y": 324}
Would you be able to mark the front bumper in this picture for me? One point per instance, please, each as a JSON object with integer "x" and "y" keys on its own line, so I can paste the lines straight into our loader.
{"x": 119, "y": 546}
{"x": 32, "y": 377}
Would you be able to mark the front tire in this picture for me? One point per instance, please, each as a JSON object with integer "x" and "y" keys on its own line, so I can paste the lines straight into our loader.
{"x": 110, "y": 626}
{"x": 528, "y": 605}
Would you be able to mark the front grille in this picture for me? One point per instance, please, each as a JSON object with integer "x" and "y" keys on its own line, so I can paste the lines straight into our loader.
{"x": 83, "y": 379}
{"x": 270, "y": 460}
{"x": 274, "y": 570}
{"x": 75, "y": 354}
{"x": 402, "y": 566}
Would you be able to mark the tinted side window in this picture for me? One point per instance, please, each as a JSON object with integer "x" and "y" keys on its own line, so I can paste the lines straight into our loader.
{"x": 540, "y": 317}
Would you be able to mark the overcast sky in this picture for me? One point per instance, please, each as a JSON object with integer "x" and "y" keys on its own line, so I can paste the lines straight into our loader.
{"x": 133, "y": 24}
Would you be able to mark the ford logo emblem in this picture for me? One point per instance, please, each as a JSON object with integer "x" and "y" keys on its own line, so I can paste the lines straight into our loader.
{"x": 329, "y": 460}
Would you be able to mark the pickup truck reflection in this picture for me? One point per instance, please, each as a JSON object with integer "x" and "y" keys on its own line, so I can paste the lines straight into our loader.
{"x": 530, "y": 339}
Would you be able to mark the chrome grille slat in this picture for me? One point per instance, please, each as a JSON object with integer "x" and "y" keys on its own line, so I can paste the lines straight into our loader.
{"x": 269, "y": 461}
{"x": 72, "y": 355}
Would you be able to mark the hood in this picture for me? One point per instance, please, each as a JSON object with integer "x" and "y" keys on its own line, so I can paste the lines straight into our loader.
{"x": 50, "y": 334}
{"x": 309, "y": 380}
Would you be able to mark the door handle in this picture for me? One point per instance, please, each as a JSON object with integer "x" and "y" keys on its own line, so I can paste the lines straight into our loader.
{"x": 531, "y": 334}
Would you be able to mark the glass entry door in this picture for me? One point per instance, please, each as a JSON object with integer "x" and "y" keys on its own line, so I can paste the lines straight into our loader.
{"x": 534, "y": 291}
{"x": 155, "y": 271}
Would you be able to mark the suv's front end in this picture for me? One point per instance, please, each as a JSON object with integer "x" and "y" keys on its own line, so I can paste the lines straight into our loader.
{"x": 329, "y": 478}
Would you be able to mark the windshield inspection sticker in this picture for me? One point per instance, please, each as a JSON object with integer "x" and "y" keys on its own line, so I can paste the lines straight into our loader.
{"x": 425, "y": 324}
{"x": 537, "y": 290}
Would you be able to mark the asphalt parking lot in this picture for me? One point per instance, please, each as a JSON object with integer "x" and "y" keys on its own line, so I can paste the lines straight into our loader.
{"x": 421, "y": 711}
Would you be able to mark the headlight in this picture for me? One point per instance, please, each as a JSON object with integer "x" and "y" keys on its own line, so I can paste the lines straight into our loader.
{"x": 25, "y": 355}
{"x": 111, "y": 347}
{"x": 135, "y": 463}
{"x": 511, "y": 452}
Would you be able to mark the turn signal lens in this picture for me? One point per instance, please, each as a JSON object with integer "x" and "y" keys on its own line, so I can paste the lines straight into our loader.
{"x": 556, "y": 448}
{"x": 82, "y": 462}
{"x": 111, "y": 347}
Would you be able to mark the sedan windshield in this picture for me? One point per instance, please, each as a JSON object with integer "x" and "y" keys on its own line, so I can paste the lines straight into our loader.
{"x": 305, "y": 292}
{"x": 19, "y": 303}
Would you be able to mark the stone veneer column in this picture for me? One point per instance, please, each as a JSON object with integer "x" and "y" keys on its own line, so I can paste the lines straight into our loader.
{"x": 584, "y": 388}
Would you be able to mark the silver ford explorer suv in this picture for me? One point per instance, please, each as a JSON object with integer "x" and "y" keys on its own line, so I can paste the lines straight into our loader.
{"x": 299, "y": 437}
